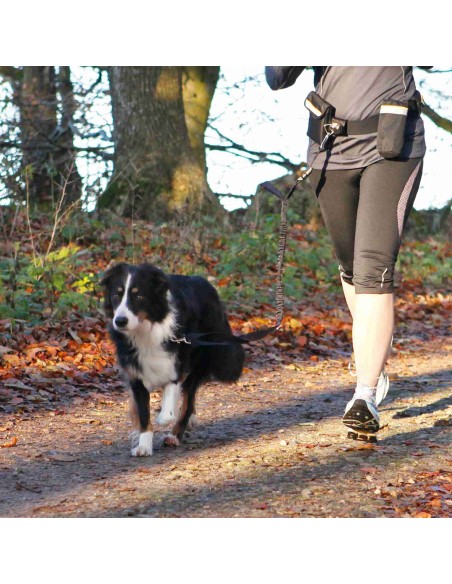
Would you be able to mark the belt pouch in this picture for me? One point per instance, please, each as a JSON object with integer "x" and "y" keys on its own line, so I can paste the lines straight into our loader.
{"x": 320, "y": 113}
{"x": 391, "y": 128}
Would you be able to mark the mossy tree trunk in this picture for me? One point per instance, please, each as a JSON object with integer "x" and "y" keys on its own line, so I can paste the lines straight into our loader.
{"x": 198, "y": 88}
{"x": 158, "y": 167}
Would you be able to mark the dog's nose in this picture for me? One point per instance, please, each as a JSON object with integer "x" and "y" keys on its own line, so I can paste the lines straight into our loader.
{"x": 121, "y": 321}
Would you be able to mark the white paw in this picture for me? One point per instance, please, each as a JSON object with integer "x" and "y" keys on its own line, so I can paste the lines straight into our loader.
{"x": 142, "y": 451}
{"x": 144, "y": 446}
{"x": 171, "y": 440}
{"x": 165, "y": 418}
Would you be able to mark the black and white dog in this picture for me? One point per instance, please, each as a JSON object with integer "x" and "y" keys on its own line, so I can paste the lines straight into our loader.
{"x": 149, "y": 311}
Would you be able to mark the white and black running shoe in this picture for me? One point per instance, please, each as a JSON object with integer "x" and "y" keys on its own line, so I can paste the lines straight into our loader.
{"x": 361, "y": 413}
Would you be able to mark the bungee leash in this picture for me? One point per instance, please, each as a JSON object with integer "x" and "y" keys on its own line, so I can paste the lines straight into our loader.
{"x": 196, "y": 339}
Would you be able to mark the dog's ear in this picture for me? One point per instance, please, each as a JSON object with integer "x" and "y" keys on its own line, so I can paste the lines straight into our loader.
{"x": 156, "y": 279}
{"x": 111, "y": 273}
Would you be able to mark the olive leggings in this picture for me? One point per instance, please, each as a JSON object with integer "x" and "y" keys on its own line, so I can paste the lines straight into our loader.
{"x": 365, "y": 211}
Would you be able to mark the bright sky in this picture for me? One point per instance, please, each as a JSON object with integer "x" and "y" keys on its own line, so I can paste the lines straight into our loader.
{"x": 241, "y": 113}
{"x": 246, "y": 110}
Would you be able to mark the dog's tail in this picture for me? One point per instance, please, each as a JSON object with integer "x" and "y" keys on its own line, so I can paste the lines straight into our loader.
{"x": 226, "y": 361}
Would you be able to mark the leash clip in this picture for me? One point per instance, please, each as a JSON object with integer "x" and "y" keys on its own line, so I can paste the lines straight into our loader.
{"x": 181, "y": 340}
{"x": 305, "y": 175}
{"x": 329, "y": 131}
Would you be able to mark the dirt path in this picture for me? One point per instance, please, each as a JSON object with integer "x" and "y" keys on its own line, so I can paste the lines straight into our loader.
{"x": 271, "y": 446}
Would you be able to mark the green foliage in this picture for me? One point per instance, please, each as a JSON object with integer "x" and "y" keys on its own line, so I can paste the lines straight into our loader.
{"x": 240, "y": 262}
{"x": 428, "y": 262}
{"x": 31, "y": 288}
{"x": 250, "y": 258}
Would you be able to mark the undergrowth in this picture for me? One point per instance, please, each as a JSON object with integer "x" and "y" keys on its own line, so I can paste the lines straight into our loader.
{"x": 46, "y": 276}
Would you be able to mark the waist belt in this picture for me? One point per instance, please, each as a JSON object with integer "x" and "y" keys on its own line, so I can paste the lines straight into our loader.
{"x": 356, "y": 127}
{"x": 342, "y": 127}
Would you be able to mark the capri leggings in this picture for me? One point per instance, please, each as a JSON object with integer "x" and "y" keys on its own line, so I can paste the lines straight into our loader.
{"x": 365, "y": 211}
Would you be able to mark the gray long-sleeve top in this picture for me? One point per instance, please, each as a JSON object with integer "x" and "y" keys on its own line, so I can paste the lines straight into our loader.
{"x": 357, "y": 93}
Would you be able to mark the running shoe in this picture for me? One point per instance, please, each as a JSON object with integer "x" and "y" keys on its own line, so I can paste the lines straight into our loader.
{"x": 361, "y": 413}
{"x": 382, "y": 384}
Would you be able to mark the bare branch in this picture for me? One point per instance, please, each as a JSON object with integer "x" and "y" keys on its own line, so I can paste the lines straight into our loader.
{"x": 440, "y": 121}
{"x": 252, "y": 155}
{"x": 243, "y": 197}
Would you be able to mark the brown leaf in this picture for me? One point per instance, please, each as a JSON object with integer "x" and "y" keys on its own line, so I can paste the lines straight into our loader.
{"x": 9, "y": 443}
{"x": 423, "y": 514}
{"x": 12, "y": 360}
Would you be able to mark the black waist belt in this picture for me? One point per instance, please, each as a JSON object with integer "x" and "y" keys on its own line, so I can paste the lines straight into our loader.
{"x": 369, "y": 125}
{"x": 355, "y": 128}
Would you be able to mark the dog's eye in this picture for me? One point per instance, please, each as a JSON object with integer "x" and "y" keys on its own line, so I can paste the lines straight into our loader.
{"x": 140, "y": 297}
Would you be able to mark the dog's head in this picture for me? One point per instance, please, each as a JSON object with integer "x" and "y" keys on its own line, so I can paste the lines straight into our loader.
{"x": 134, "y": 295}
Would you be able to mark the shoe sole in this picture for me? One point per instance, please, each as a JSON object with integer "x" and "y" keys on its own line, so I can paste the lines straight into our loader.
{"x": 360, "y": 418}
{"x": 363, "y": 436}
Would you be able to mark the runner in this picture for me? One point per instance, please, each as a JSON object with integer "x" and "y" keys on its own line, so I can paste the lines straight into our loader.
{"x": 366, "y": 149}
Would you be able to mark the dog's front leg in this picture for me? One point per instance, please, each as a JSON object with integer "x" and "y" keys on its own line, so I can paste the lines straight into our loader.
{"x": 140, "y": 414}
{"x": 170, "y": 404}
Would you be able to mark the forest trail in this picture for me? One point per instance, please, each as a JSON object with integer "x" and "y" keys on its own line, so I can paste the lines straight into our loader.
{"x": 272, "y": 445}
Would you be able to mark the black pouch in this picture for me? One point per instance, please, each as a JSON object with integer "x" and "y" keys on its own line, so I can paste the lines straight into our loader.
{"x": 321, "y": 114}
{"x": 391, "y": 128}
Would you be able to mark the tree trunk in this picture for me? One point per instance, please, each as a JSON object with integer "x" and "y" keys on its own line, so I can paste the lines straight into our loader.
{"x": 48, "y": 155}
{"x": 38, "y": 120}
{"x": 198, "y": 88}
{"x": 66, "y": 155}
{"x": 158, "y": 172}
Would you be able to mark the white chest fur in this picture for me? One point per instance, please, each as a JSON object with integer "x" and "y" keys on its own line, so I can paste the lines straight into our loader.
{"x": 157, "y": 366}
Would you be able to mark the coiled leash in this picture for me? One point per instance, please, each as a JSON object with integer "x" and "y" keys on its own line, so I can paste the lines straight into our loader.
{"x": 195, "y": 339}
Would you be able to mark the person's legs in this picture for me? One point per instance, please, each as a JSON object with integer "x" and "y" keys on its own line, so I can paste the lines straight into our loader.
{"x": 387, "y": 192}
{"x": 373, "y": 326}
{"x": 365, "y": 212}
{"x": 350, "y": 296}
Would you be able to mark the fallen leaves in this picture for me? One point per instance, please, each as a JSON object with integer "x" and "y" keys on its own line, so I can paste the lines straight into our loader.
{"x": 426, "y": 494}
{"x": 9, "y": 443}
{"x": 13, "y": 360}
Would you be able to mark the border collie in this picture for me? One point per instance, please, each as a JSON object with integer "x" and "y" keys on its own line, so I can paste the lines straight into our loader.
{"x": 149, "y": 313}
